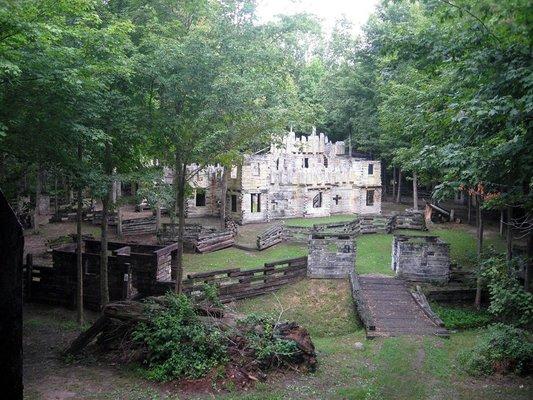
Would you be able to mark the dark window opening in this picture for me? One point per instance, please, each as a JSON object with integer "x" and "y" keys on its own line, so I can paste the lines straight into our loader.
{"x": 325, "y": 162}
{"x": 370, "y": 169}
{"x": 336, "y": 199}
{"x": 317, "y": 200}
{"x": 233, "y": 203}
{"x": 277, "y": 163}
{"x": 200, "y": 197}
{"x": 370, "y": 197}
{"x": 255, "y": 202}
{"x": 306, "y": 162}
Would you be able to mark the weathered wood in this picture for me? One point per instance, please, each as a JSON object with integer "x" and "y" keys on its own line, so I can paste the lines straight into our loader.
{"x": 392, "y": 309}
{"x": 86, "y": 337}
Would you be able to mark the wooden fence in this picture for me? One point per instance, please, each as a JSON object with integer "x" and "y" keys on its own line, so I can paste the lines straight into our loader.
{"x": 234, "y": 283}
{"x": 138, "y": 226}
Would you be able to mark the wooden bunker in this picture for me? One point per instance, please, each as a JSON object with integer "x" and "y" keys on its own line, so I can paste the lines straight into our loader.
{"x": 133, "y": 269}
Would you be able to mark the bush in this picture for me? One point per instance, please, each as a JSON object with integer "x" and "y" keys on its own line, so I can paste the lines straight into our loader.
{"x": 508, "y": 299}
{"x": 462, "y": 317}
{"x": 178, "y": 344}
{"x": 502, "y": 348}
{"x": 269, "y": 349}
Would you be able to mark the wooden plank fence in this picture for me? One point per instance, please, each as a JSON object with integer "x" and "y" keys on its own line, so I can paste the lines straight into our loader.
{"x": 234, "y": 283}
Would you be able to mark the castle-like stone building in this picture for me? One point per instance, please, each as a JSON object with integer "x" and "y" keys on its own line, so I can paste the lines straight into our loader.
{"x": 305, "y": 176}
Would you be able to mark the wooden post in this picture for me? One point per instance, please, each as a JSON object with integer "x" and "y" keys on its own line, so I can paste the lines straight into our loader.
{"x": 29, "y": 275}
{"x": 126, "y": 284}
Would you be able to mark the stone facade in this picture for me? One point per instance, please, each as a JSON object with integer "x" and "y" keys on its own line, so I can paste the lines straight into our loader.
{"x": 421, "y": 258}
{"x": 331, "y": 255}
{"x": 306, "y": 176}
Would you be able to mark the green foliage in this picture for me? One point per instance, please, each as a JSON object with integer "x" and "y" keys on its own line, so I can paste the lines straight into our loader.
{"x": 508, "y": 299}
{"x": 502, "y": 348}
{"x": 462, "y": 317}
{"x": 270, "y": 350}
{"x": 179, "y": 344}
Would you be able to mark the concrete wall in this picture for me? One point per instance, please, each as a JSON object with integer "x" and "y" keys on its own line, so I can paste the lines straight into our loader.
{"x": 331, "y": 256}
{"x": 421, "y": 258}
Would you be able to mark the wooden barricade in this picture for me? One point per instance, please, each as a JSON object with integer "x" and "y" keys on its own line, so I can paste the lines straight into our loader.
{"x": 270, "y": 237}
{"x": 234, "y": 283}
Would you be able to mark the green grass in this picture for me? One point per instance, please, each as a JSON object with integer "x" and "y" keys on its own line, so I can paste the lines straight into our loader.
{"x": 236, "y": 258}
{"x": 462, "y": 317}
{"x": 374, "y": 250}
{"x": 324, "y": 307}
{"x": 309, "y": 222}
{"x": 374, "y": 254}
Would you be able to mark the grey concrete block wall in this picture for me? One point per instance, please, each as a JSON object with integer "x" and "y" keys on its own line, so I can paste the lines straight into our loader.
{"x": 331, "y": 256}
{"x": 421, "y": 258}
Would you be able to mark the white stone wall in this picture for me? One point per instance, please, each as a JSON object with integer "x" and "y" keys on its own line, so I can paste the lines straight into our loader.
{"x": 288, "y": 177}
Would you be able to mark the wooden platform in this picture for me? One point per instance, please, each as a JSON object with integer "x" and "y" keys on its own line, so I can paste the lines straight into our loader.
{"x": 387, "y": 308}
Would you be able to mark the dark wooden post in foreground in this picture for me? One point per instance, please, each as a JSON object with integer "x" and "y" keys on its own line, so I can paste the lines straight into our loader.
{"x": 11, "y": 255}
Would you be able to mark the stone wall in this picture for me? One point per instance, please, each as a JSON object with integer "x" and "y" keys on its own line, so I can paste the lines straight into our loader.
{"x": 331, "y": 255}
{"x": 421, "y": 258}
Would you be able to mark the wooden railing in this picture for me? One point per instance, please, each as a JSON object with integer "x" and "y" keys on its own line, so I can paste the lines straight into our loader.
{"x": 234, "y": 283}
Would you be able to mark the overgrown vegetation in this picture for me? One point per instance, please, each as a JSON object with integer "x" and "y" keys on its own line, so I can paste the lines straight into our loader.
{"x": 502, "y": 348}
{"x": 179, "y": 344}
{"x": 457, "y": 317}
{"x": 508, "y": 299}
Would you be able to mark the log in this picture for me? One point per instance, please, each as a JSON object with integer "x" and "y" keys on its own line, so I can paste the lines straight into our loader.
{"x": 86, "y": 337}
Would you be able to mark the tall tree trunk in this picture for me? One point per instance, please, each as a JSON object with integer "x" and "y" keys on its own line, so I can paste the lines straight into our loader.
{"x": 79, "y": 260}
{"x": 38, "y": 190}
{"x": 393, "y": 182}
{"x": 479, "y": 217}
{"x": 529, "y": 266}
{"x": 106, "y": 200}
{"x": 509, "y": 233}
{"x": 415, "y": 191}
{"x": 180, "y": 203}
{"x": 469, "y": 215}
{"x": 223, "y": 194}
{"x": 56, "y": 198}
{"x": 157, "y": 217}
{"x": 502, "y": 218}
{"x": 399, "y": 194}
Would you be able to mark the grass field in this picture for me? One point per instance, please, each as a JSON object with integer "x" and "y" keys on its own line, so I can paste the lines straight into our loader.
{"x": 236, "y": 258}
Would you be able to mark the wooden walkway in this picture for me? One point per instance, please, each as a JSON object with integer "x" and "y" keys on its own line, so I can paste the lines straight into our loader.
{"x": 388, "y": 308}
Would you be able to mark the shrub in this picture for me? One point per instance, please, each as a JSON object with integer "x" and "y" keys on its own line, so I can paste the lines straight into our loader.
{"x": 178, "y": 344}
{"x": 462, "y": 317}
{"x": 502, "y": 348}
{"x": 269, "y": 349}
{"x": 508, "y": 299}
